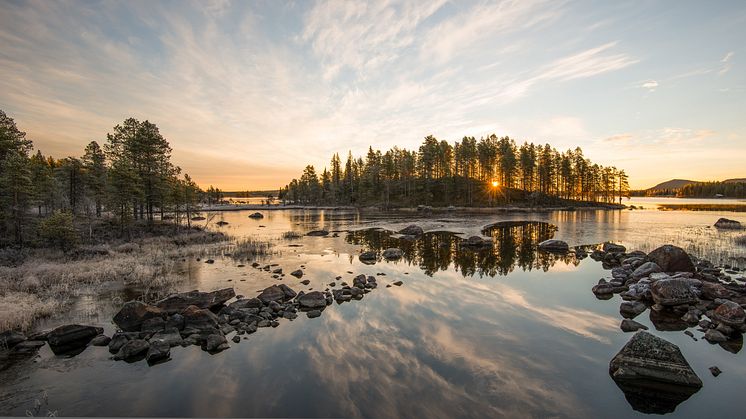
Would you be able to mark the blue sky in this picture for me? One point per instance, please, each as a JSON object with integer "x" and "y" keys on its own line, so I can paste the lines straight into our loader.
{"x": 249, "y": 92}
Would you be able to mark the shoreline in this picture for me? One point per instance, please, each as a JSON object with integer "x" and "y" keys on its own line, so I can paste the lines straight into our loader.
{"x": 420, "y": 209}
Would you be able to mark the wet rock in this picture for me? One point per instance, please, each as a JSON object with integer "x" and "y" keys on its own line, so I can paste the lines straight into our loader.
{"x": 132, "y": 315}
{"x": 27, "y": 347}
{"x": 646, "y": 269}
{"x": 730, "y": 314}
{"x": 714, "y": 336}
{"x": 368, "y": 257}
{"x": 216, "y": 343}
{"x": 412, "y": 230}
{"x": 272, "y": 293}
{"x": 632, "y": 309}
{"x": 247, "y": 303}
{"x": 393, "y": 253}
{"x": 132, "y": 350}
{"x": 638, "y": 291}
{"x": 11, "y": 338}
{"x": 607, "y": 288}
{"x": 631, "y": 326}
{"x": 671, "y": 292}
{"x": 117, "y": 341}
{"x": 312, "y": 300}
{"x": 317, "y": 233}
{"x": 153, "y": 325}
{"x": 71, "y": 338}
{"x": 297, "y": 273}
{"x": 289, "y": 292}
{"x": 671, "y": 259}
{"x": 256, "y": 215}
{"x": 100, "y": 340}
{"x": 305, "y": 282}
{"x": 715, "y": 371}
{"x": 199, "y": 320}
{"x": 210, "y": 261}
{"x": 653, "y": 374}
{"x": 169, "y": 336}
{"x": 313, "y": 314}
{"x": 553, "y": 245}
{"x": 158, "y": 351}
{"x": 713, "y": 290}
{"x": 727, "y": 224}
{"x": 398, "y": 283}
{"x": 236, "y": 339}
{"x": 613, "y": 248}
{"x": 177, "y": 302}
{"x": 175, "y": 321}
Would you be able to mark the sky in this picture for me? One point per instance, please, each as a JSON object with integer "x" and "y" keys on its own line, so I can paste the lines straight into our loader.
{"x": 248, "y": 93}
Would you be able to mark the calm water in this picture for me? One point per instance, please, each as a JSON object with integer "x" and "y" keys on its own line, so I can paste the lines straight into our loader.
{"x": 506, "y": 331}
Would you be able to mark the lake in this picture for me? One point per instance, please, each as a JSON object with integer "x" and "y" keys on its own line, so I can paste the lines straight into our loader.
{"x": 504, "y": 331}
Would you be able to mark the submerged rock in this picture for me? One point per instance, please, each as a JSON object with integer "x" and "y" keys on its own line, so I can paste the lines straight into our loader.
{"x": 297, "y": 273}
{"x": 613, "y": 248}
{"x": 629, "y": 325}
{"x": 653, "y": 374}
{"x": 393, "y": 253}
{"x": 553, "y": 245}
{"x": 317, "y": 233}
{"x": 671, "y": 259}
{"x": 412, "y": 230}
{"x": 368, "y": 257}
{"x": 256, "y": 215}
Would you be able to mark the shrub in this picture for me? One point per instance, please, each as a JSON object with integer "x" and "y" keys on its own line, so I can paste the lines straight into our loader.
{"x": 741, "y": 240}
{"x": 58, "y": 231}
{"x": 291, "y": 235}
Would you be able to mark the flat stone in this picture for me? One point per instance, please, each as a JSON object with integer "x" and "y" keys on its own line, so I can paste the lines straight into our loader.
{"x": 629, "y": 325}
{"x": 70, "y": 338}
{"x": 177, "y": 302}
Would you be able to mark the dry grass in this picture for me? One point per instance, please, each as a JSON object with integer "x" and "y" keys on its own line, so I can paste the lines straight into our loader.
{"x": 48, "y": 279}
{"x": 741, "y": 240}
{"x": 250, "y": 248}
{"x": 291, "y": 235}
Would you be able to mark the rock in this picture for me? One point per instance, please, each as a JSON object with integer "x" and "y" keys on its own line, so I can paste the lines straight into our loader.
{"x": 158, "y": 351}
{"x": 632, "y": 309}
{"x": 236, "y": 339}
{"x": 27, "y": 347}
{"x": 671, "y": 259}
{"x": 715, "y": 371}
{"x": 289, "y": 292}
{"x": 153, "y": 325}
{"x": 246, "y": 303}
{"x": 473, "y": 241}
{"x": 653, "y": 374}
{"x": 393, "y": 253}
{"x": 313, "y": 314}
{"x": 646, "y": 269}
{"x": 175, "y": 321}
{"x": 317, "y": 233}
{"x": 713, "y": 290}
{"x": 730, "y": 314}
{"x": 553, "y": 245}
{"x": 412, "y": 230}
{"x": 714, "y": 336}
{"x": 398, "y": 283}
{"x": 256, "y": 215}
{"x": 177, "y": 302}
{"x": 10, "y": 338}
{"x": 117, "y": 341}
{"x": 297, "y": 273}
{"x": 638, "y": 291}
{"x": 305, "y": 282}
{"x": 131, "y": 316}
{"x": 132, "y": 350}
{"x": 632, "y": 326}
{"x": 368, "y": 257}
{"x": 314, "y": 299}
{"x": 725, "y": 223}
{"x": 199, "y": 320}
{"x": 672, "y": 292}
{"x": 216, "y": 343}
{"x": 100, "y": 340}
{"x": 273, "y": 293}
{"x": 169, "y": 336}
{"x": 71, "y": 338}
{"x": 613, "y": 248}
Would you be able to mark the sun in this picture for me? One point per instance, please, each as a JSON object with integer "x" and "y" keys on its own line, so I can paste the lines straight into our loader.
{"x": 494, "y": 183}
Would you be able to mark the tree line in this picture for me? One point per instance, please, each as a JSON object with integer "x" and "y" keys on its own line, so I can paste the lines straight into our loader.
{"x": 713, "y": 189}
{"x": 130, "y": 177}
{"x": 467, "y": 172}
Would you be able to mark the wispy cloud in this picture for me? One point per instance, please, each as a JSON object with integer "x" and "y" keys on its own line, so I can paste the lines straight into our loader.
{"x": 726, "y": 63}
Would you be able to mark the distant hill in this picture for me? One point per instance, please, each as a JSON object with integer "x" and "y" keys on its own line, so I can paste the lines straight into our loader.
{"x": 672, "y": 184}
{"x": 736, "y": 180}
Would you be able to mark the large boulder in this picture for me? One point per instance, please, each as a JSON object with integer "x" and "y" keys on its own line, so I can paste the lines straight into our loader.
{"x": 314, "y": 299}
{"x": 725, "y": 223}
{"x": 672, "y": 292}
{"x": 653, "y": 374}
{"x": 411, "y": 230}
{"x": 177, "y": 302}
{"x": 393, "y": 253}
{"x": 646, "y": 269}
{"x": 72, "y": 338}
{"x": 132, "y": 315}
{"x": 169, "y": 336}
{"x": 289, "y": 292}
{"x": 553, "y": 245}
{"x": 671, "y": 259}
{"x": 730, "y": 314}
{"x": 132, "y": 350}
{"x": 199, "y": 320}
{"x": 272, "y": 293}
{"x": 613, "y": 248}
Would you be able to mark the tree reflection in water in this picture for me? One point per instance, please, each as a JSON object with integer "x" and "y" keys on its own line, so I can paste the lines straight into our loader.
{"x": 514, "y": 243}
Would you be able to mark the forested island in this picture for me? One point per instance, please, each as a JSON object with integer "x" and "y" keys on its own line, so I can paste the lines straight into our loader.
{"x": 485, "y": 172}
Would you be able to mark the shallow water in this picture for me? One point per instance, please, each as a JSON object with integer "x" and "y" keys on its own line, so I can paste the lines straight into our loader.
{"x": 506, "y": 331}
